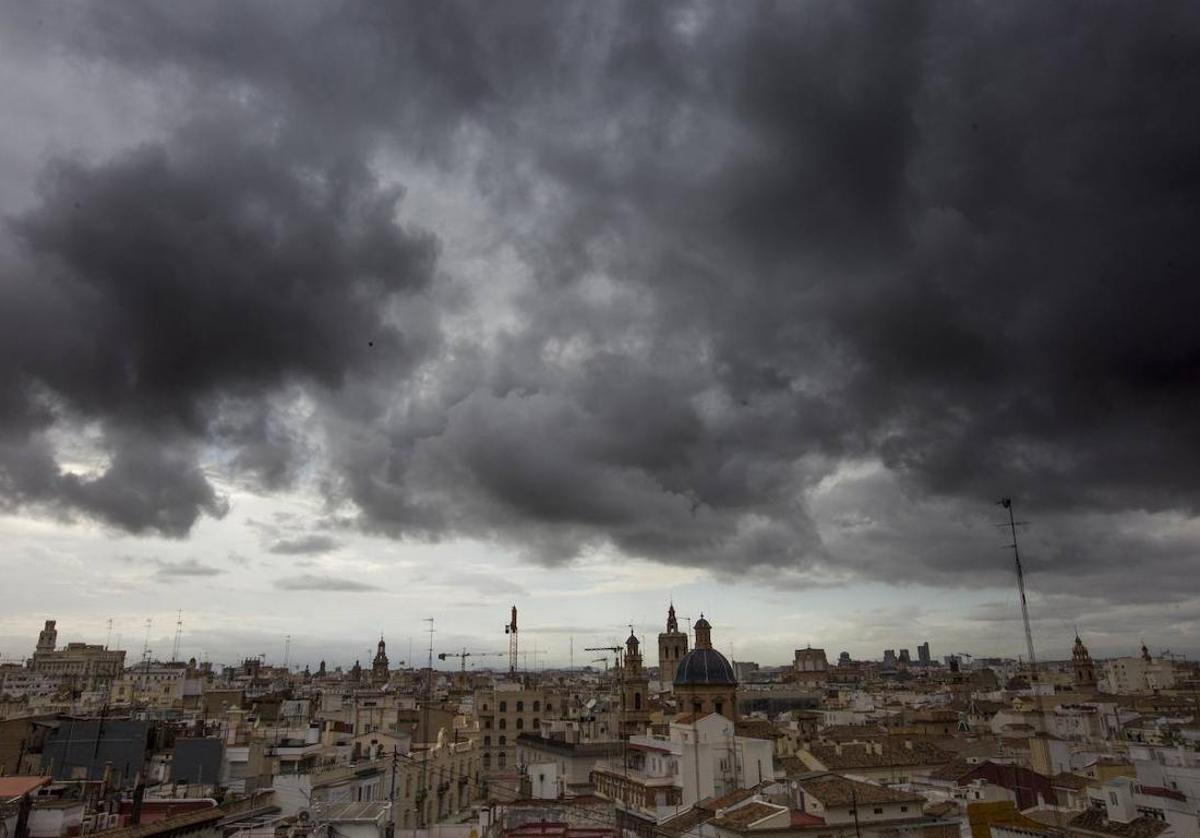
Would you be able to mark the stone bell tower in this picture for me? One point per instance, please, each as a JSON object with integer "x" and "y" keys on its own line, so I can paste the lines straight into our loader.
{"x": 672, "y": 646}
{"x": 635, "y": 690}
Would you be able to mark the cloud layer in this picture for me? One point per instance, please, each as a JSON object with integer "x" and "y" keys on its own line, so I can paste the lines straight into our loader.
{"x": 766, "y": 288}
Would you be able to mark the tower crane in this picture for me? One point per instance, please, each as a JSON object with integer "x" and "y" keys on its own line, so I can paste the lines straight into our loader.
{"x": 511, "y": 630}
{"x": 464, "y": 654}
{"x": 462, "y": 657}
{"x": 616, "y": 650}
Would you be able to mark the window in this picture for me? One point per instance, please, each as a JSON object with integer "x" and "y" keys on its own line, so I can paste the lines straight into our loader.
{"x": 487, "y": 741}
{"x": 637, "y": 702}
{"x": 503, "y": 760}
{"x": 903, "y": 808}
{"x": 503, "y": 706}
{"x": 520, "y": 706}
{"x": 503, "y": 741}
{"x": 536, "y": 722}
{"x": 487, "y": 724}
{"x": 878, "y": 810}
{"x": 504, "y": 724}
{"x": 487, "y": 760}
{"x": 520, "y": 724}
{"x": 537, "y": 706}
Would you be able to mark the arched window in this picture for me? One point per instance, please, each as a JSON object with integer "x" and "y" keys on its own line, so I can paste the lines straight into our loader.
{"x": 503, "y": 741}
{"x": 520, "y": 724}
{"x": 719, "y": 707}
{"x": 520, "y": 706}
{"x": 637, "y": 701}
{"x": 537, "y": 706}
{"x": 503, "y": 760}
{"x": 487, "y": 741}
{"x": 548, "y": 707}
{"x": 536, "y": 722}
{"x": 503, "y": 706}
{"x": 504, "y": 724}
{"x": 487, "y": 724}
{"x": 487, "y": 760}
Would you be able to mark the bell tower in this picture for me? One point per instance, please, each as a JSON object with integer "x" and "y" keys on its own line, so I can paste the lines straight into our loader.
{"x": 1081, "y": 661}
{"x": 672, "y": 646}
{"x": 635, "y": 690}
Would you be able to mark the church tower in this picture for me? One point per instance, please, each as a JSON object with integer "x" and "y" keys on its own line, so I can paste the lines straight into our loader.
{"x": 635, "y": 690}
{"x": 672, "y": 646}
{"x": 379, "y": 666}
{"x": 704, "y": 680}
{"x": 1085, "y": 670}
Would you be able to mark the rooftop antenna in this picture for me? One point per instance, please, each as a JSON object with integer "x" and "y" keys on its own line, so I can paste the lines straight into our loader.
{"x": 108, "y": 637}
{"x": 1012, "y": 526}
{"x": 287, "y": 650}
{"x": 178, "y": 634}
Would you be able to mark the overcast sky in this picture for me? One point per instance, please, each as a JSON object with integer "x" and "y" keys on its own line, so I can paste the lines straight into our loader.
{"x": 322, "y": 318}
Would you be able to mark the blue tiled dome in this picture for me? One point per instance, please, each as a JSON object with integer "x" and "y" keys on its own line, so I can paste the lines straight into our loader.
{"x": 704, "y": 666}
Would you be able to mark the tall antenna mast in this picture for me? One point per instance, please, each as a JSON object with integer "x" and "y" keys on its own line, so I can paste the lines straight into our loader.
{"x": 287, "y": 650}
{"x": 146, "y": 649}
{"x": 1012, "y": 526}
{"x": 428, "y": 754}
{"x": 108, "y": 637}
{"x": 178, "y": 634}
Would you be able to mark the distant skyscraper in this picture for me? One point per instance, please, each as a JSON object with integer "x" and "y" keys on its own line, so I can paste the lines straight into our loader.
{"x": 889, "y": 657}
{"x": 905, "y": 658}
{"x": 923, "y": 654}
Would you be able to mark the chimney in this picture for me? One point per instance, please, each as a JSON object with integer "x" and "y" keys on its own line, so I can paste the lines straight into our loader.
{"x": 139, "y": 792}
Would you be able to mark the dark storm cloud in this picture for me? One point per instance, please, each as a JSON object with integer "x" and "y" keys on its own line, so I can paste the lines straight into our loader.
{"x": 766, "y": 243}
{"x": 170, "y": 287}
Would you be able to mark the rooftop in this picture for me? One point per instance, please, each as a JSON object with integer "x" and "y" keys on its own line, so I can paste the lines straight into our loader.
{"x": 833, "y": 790}
{"x": 1096, "y": 820}
{"x": 744, "y": 816}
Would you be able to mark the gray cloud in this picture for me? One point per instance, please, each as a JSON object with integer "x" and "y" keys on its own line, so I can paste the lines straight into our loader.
{"x": 306, "y": 545}
{"x": 185, "y": 568}
{"x": 764, "y": 244}
{"x": 316, "y": 582}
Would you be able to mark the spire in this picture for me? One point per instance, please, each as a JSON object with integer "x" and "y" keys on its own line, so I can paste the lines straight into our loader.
{"x": 672, "y": 623}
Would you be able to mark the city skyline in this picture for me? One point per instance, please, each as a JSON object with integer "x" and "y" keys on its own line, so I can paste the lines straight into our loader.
{"x": 325, "y": 318}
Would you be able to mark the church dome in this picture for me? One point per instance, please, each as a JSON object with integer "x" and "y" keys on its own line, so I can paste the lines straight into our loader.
{"x": 704, "y": 667}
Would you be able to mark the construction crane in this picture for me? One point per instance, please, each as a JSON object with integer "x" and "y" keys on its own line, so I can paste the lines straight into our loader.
{"x": 464, "y": 654}
{"x": 616, "y": 650}
{"x": 511, "y": 631}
